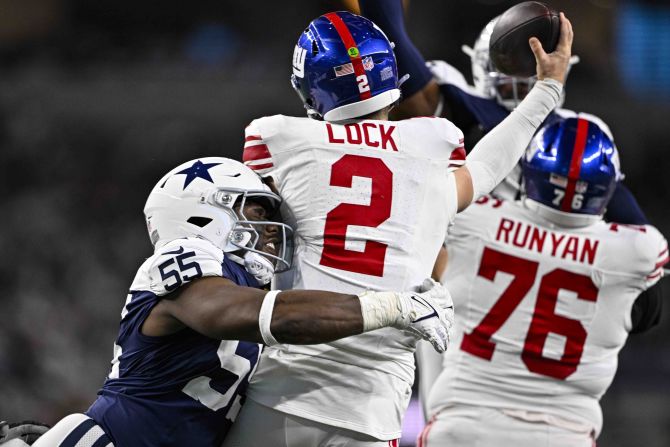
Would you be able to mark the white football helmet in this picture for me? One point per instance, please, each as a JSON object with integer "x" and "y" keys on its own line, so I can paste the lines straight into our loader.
{"x": 197, "y": 199}
{"x": 508, "y": 91}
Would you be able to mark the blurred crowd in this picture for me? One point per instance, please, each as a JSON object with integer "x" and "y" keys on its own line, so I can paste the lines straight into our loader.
{"x": 98, "y": 99}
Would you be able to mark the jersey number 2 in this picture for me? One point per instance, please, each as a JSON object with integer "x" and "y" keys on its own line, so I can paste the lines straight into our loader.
{"x": 370, "y": 261}
{"x": 544, "y": 321}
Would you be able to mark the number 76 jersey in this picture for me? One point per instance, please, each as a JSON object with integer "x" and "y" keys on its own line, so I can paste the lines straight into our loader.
{"x": 542, "y": 311}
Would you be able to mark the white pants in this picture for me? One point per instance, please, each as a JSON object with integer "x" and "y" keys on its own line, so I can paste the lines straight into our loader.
{"x": 74, "y": 430}
{"x": 261, "y": 426}
{"x": 468, "y": 426}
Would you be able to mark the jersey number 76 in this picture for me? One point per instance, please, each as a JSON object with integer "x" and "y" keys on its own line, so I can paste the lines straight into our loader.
{"x": 544, "y": 321}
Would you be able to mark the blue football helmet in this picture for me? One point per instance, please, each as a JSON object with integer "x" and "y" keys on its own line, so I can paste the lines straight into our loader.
{"x": 570, "y": 169}
{"x": 344, "y": 68}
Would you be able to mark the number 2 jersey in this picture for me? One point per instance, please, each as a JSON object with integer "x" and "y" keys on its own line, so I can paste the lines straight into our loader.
{"x": 370, "y": 202}
{"x": 541, "y": 311}
{"x": 180, "y": 389}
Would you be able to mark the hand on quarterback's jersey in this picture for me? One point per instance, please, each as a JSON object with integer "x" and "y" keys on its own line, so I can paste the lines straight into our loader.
{"x": 21, "y": 433}
{"x": 428, "y": 313}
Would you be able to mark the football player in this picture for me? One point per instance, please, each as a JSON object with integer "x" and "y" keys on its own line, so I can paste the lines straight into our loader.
{"x": 371, "y": 200}
{"x": 437, "y": 88}
{"x": 194, "y": 317}
{"x": 544, "y": 290}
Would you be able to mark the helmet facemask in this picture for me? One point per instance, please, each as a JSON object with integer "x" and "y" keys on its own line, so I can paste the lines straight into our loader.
{"x": 245, "y": 234}
{"x": 508, "y": 91}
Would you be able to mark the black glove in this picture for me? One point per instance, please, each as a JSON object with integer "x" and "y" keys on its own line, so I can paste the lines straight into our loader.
{"x": 27, "y": 431}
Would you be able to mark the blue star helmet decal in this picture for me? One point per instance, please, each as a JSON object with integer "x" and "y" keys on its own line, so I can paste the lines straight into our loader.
{"x": 198, "y": 170}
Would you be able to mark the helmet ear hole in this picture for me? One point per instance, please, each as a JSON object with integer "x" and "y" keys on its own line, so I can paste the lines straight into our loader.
{"x": 199, "y": 221}
{"x": 315, "y": 48}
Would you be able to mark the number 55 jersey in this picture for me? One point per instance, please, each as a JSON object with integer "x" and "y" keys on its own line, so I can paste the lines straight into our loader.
{"x": 179, "y": 389}
{"x": 370, "y": 202}
{"x": 542, "y": 311}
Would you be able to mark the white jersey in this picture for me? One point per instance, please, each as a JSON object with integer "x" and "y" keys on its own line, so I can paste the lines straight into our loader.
{"x": 542, "y": 311}
{"x": 370, "y": 202}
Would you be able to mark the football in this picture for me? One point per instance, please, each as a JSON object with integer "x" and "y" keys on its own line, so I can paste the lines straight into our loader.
{"x": 509, "y": 49}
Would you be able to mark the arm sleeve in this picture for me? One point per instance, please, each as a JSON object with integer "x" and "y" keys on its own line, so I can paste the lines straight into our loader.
{"x": 646, "y": 312}
{"x": 388, "y": 15}
{"x": 623, "y": 208}
{"x": 500, "y": 150}
{"x": 256, "y": 154}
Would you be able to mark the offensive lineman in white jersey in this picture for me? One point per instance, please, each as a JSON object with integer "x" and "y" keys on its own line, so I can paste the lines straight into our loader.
{"x": 543, "y": 291}
{"x": 370, "y": 201}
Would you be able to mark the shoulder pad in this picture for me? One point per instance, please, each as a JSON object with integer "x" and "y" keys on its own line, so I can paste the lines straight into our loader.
{"x": 177, "y": 263}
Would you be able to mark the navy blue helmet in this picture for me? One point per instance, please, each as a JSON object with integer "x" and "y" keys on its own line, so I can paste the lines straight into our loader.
{"x": 571, "y": 166}
{"x": 344, "y": 68}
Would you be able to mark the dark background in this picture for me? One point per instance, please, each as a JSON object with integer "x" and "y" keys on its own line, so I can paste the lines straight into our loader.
{"x": 98, "y": 99}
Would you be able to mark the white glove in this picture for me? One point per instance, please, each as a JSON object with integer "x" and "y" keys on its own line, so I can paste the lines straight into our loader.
{"x": 429, "y": 314}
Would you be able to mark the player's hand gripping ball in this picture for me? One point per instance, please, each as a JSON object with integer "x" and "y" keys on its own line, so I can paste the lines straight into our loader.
{"x": 509, "y": 49}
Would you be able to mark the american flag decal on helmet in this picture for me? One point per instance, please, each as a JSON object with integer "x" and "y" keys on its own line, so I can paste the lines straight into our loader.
{"x": 343, "y": 70}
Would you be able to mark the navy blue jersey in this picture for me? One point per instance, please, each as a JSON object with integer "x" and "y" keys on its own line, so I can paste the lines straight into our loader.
{"x": 476, "y": 115}
{"x": 182, "y": 389}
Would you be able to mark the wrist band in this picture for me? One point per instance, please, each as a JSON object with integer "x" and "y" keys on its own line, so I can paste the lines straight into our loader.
{"x": 265, "y": 318}
{"x": 379, "y": 309}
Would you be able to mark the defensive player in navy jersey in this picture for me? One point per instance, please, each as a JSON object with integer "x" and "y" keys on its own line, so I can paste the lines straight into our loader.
{"x": 192, "y": 323}
{"x": 437, "y": 88}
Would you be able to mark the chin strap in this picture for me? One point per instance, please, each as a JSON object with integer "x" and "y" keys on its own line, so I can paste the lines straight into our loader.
{"x": 259, "y": 266}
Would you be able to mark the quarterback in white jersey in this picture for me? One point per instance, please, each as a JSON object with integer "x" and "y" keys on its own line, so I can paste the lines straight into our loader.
{"x": 543, "y": 291}
{"x": 371, "y": 201}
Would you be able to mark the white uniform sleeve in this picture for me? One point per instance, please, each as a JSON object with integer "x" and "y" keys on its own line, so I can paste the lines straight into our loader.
{"x": 653, "y": 250}
{"x": 499, "y": 151}
{"x": 181, "y": 261}
{"x": 446, "y": 74}
{"x": 256, "y": 153}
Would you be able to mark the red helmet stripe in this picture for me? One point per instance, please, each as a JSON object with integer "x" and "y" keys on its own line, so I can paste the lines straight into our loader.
{"x": 575, "y": 163}
{"x": 349, "y": 42}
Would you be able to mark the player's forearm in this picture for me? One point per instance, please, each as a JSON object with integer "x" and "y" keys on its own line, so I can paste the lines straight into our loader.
{"x": 308, "y": 317}
{"x": 496, "y": 154}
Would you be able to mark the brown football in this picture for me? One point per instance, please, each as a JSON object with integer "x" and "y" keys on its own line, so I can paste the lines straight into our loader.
{"x": 509, "y": 49}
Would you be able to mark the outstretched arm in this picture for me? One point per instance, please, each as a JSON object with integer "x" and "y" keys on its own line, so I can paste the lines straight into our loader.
{"x": 420, "y": 92}
{"x": 220, "y": 309}
{"x": 499, "y": 151}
